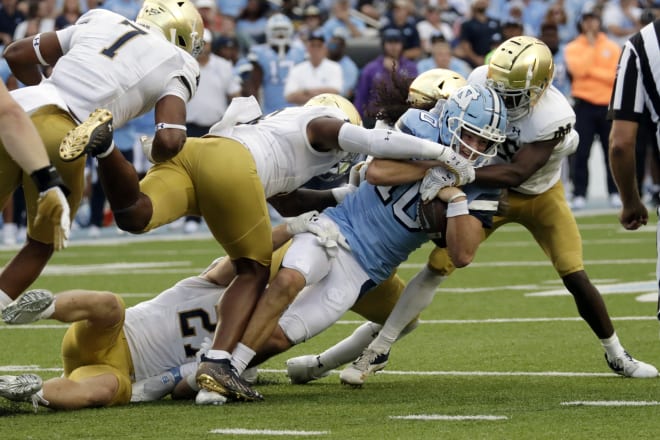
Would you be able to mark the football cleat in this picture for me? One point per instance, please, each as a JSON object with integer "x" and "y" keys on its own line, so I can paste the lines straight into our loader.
{"x": 220, "y": 376}
{"x": 28, "y": 307}
{"x": 206, "y": 397}
{"x": 23, "y": 388}
{"x": 369, "y": 362}
{"x": 303, "y": 369}
{"x": 93, "y": 136}
{"x": 628, "y": 366}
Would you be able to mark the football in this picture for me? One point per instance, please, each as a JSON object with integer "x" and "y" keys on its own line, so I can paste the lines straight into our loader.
{"x": 433, "y": 219}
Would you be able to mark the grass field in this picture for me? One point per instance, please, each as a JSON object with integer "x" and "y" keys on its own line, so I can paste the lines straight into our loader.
{"x": 501, "y": 353}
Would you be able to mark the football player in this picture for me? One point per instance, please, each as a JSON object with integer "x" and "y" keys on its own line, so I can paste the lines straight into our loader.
{"x": 103, "y": 60}
{"x": 539, "y": 135}
{"x": 226, "y": 178}
{"x": 380, "y": 224}
{"x": 270, "y": 63}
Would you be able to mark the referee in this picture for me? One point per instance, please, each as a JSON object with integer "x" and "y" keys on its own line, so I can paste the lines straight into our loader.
{"x": 636, "y": 90}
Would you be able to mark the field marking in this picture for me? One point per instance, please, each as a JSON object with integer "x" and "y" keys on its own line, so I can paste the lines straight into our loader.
{"x": 240, "y": 431}
{"x": 448, "y": 417}
{"x": 611, "y": 403}
{"x": 422, "y": 321}
{"x": 37, "y": 368}
{"x": 540, "y": 263}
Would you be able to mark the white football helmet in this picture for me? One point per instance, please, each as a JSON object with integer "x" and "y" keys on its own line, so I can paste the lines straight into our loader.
{"x": 279, "y": 32}
{"x": 478, "y": 109}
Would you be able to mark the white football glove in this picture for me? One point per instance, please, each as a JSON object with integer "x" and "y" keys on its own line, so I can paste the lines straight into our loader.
{"x": 458, "y": 165}
{"x": 297, "y": 225}
{"x": 434, "y": 180}
{"x": 53, "y": 211}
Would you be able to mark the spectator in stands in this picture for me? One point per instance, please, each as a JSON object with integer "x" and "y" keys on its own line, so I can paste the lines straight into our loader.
{"x": 127, "y": 8}
{"x": 402, "y": 18}
{"x": 68, "y": 15}
{"x": 621, "y": 19}
{"x": 312, "y": 21}
{"x": 228, "y": 48}
{"x": 314, "y": 76}
{"x": 382, "y": 69}
{"x": 591, "y": 60}
{"x": 441, "y": 57}
{"x": 37, "y": 20}
{"x": 213, "y": 21}
{"x": 10, "y": 17}
{"x": 252, "y": 20}
{"x": 474, "y": 41}
{"x": 557, "y": 15}
{"x": 433, "y": 25}
{"x": 341, "y": 17}
{"x": 337, "y": 52}
{"x": 550, "y": 36}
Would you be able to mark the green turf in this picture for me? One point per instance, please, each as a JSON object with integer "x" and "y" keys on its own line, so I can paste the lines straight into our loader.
{"x": 508, "y": 370}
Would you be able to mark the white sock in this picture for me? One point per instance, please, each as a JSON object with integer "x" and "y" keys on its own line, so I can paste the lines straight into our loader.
{"x": 241, "y": 357}
{"x": 417, "y": 295}
{"x": 46, "y": 314}
{"x": 218, "y": 354}
{"x": 349, "y": 348}
{"x": 612, "y": 346}
{"x": 5, "y": 300}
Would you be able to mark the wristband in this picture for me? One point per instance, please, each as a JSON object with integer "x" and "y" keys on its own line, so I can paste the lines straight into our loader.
{"x": 455, "y": 196}
{"x": 176, "y": 373}
{"x": 457, "y": 208}
{"x": 36, "y": 41}
{"x": 46, "y": 178}
{"x": 162, "y": 125}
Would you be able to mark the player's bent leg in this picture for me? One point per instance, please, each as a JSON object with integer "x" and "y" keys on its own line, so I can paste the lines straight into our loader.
{"x": 80, "y": 390}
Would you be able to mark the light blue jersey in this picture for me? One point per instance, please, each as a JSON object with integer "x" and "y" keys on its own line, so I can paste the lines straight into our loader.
{"x": 275, "y": 71}
{"x": 381, "y": 224}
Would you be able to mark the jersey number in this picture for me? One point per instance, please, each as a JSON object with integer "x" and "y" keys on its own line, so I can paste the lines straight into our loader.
{"x": 111, "y": 51}
{"x": 401, "y": 206}
{"x": 187, "y": 329}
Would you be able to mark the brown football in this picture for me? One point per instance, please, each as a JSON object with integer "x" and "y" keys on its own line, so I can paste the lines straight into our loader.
{"x": 433, "y": 219}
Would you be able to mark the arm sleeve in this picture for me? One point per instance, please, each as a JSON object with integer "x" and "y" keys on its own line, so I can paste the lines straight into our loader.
{"x": 387, "y": 143}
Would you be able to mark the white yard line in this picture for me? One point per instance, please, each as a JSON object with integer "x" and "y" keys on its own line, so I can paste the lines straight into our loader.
{"x": 449, "y": 417}
{"x": 610, "y": 403}
{"x": 241, "y": 431}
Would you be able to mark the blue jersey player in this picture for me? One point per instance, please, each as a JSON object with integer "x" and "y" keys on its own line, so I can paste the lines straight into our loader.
{"x": 379, "y": 227}
{"x": 271, "y": 62}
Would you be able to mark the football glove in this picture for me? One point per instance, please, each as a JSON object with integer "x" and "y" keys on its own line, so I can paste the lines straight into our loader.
{"x": 458, "y": 165}
{"x": 298, "y": 225}
{"x": 434, "y": 180}
{"x": 358, "y": 173}
{"x": 53, "y": 211}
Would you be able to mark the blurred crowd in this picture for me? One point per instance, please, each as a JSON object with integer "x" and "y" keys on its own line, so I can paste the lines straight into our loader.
{"x": 286, "y": 51}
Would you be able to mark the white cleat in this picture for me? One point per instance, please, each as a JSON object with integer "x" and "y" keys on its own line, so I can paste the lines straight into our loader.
{"x": 23, "y": 388}
{"x": 369, "y": 362}
{"x": 627, "y": 366}
{"x": 28, "y": 307}
{"x": 303, "y": 369}
{"x": 206, "y": 397}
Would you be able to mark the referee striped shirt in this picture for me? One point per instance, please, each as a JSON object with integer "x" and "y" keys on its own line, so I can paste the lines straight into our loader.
{"x": 637, "y": 84}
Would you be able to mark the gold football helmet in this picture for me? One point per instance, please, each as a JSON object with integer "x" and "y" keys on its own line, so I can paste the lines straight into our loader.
{"x": 343, "y": 104}
{"x": 178, "y": 20}
{"x": 521, "y": 70}
{"x": 434, "y": 84}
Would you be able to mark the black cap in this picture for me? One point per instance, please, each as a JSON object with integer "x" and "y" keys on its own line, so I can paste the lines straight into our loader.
{"x": 316, "y": 35}
{"x": 224, "y": 41}
{"x": 392, "y": 34}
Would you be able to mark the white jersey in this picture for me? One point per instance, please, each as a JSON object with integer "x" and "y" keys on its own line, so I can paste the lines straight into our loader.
{"x": 278, "y": 142}
{"x": 551, "y": 118}
{"x": 112, "y": 62}
{"x": 168, "y": 330}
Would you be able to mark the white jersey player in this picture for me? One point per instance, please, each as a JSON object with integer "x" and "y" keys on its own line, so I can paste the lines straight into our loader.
{"x": 107, "y": 60}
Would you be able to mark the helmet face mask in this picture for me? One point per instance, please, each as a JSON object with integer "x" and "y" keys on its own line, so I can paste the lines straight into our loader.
{"x": 480, "y": 111}
{"x": 279, "y": 32}
{"x": 178, "y": 20}
{"x": 337, "y": 101}
{"x": 430, "y": 86}
{"x": 521, "y": 70}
